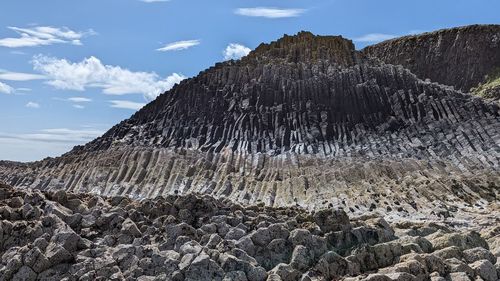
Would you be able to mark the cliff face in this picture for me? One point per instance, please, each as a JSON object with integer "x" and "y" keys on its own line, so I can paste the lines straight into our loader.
{"x": 459, "y": 57}
{"x": 305, "y": 120}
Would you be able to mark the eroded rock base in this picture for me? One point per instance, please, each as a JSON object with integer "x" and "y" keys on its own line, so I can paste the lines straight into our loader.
{"x": 66, "y": 236}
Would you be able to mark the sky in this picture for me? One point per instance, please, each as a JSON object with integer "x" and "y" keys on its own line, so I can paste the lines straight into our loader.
{"x": 70, "y": 70}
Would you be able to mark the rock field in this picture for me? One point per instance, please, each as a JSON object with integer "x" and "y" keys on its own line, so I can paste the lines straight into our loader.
{"x": 66, "y": 236}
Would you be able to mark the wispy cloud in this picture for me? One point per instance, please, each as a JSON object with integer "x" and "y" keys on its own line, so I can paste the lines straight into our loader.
{"x": 18, "y": 53}
{"x": 179, "y": 45}
{"x": 235, "y": 51}
{"x": 24, "y": 89}
{"x": 92, "y": 73}
{"x": 79, "y": 99}
{"x": 375, "y": 37}
{"x": 57, "y": 135}
{"x": 79, "y": 106}
{"x": 32, "y": 105}
{"x": 126, "y": 104}
{"x": 269, "y": 12}
{"x": 43, "y": 35}
{"x": 31, "y": 146}
{"x": 19, "y": 76}
{"x": 6, "y": 89}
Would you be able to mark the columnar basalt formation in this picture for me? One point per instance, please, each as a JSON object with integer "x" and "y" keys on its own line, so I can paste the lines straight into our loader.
{"x": 461, "y": 57}
{"x": 304, "y": 121}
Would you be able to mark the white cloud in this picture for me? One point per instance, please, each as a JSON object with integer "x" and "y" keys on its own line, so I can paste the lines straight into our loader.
{"x": 79, "y": 106}
{"x": 43, "y": 35}
{"x": 6, "y": 89}
{"x": 235, "y": 51}
{"x": 126, "y": 104}
{"x": 268, "y": 12}
{"x": 57, "y": 135}
{"x": 18, "y": 76}
{"x": 24, "y": 89}
{"x": 113, "y": 80}
{"x": 153, "y": 1}
{"x": 179, "y": 45}
{"x": 79, "y": 99}
{"x": 32, "y": 105}
{"x": 375, "y": 37}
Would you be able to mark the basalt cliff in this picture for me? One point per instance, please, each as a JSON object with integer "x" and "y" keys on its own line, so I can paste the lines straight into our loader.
{"x": 309, "y": 123}
{"x": 306, "y": 120}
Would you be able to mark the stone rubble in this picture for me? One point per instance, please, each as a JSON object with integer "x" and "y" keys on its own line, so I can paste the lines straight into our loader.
{"x": 67, "y": 236}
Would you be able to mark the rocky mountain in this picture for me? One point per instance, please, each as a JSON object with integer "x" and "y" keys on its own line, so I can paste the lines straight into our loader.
{"x": 251, "y": 170}
{"x": 306, "y": 120}
{"x": 461, "y": 57}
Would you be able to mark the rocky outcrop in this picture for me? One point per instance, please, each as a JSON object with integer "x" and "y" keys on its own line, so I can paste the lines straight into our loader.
{"x": 461, "y": 57}
{"x": 303, "y": 121}
{"x": 67, "y": 236}
{"x": 490, "y": 89}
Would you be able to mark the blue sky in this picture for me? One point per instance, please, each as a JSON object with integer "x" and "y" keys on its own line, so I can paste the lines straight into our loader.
{"x": 69, "y": 70}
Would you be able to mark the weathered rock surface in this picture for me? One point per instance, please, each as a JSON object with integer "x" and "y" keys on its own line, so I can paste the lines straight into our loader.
{"x": 461, "y": 57}
{"x": 272, "y": 243}
{"x": 306, "y": 121}
{"x": 305, "y": 132}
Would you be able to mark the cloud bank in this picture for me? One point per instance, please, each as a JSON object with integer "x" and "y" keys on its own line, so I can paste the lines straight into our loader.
{"x": 43, "y": 35}
{"x": 92, "y": 73}
{"x": 235, "y": 51}
{"x": 6, "y": 89}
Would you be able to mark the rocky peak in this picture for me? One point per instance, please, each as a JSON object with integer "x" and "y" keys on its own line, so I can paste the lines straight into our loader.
{"x": 306, "y": 47}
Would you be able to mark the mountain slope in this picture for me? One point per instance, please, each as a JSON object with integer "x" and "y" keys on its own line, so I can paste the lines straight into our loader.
{"x": 305, "y": 120}
{"x": 461, "y": 57}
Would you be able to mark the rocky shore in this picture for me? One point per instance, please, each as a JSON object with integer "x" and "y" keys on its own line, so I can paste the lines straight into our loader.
{"x": 67, "y": 236}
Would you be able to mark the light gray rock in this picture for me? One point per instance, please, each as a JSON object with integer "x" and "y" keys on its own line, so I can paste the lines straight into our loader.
{"x": 331, "y": 265}
{"x": 204, "y": 269}
{"x": 36, "y": 260}
{"x": 235, "y": 233}
{"x": 261, "y": 236}
{"x": 478, "y": 253}
{"x": 301, "y": 259}
{"x": 332, "y": 220}
{"x": 458, "y": 276}
{"x": 285, "y": 272}
{"x": 235, "y": 276}
{"x": 130, "y": 228}
{"x": 24, "y": 274}
{"x": 485, "y": 269}
{"x": 456, "y": 265}
{"x": 464, "y": 241}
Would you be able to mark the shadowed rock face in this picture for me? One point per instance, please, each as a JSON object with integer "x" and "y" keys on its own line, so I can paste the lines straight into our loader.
{"x": 459, "y": 57}
{"x": 305, "y": 120}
